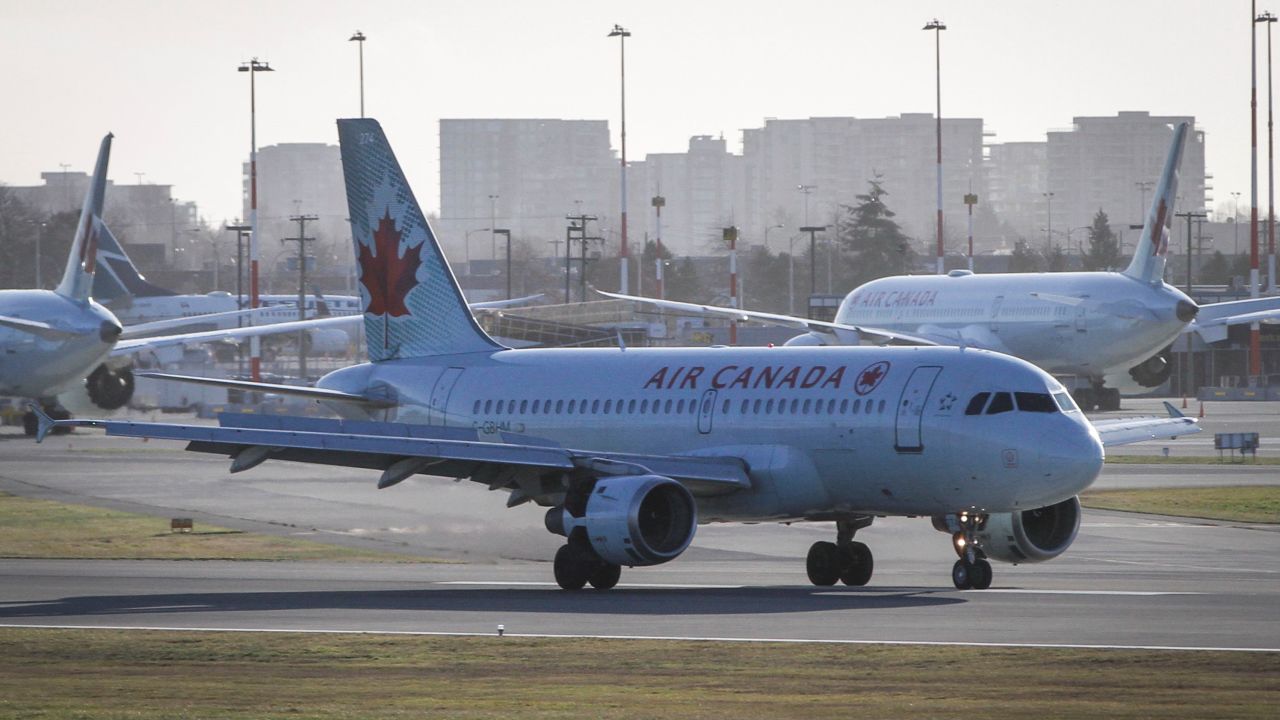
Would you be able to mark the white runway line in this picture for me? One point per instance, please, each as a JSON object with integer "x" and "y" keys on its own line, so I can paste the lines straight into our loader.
{"x": 662, "y": 586}
{"x": 663, "y": 638}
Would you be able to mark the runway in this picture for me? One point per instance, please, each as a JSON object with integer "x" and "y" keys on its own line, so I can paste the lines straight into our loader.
{"x": 1134, "y": 581}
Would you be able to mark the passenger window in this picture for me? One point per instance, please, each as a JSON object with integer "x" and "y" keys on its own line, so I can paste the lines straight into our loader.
{"x": 571, "y": 405}
{"x": 870, "y": 407}
{"x": 559, "y": 406}
{"x": 805, "y": 409}
{"x": 881, "y": 410}
{"x": 795, "y": 405}
{"x": 1001, "y": 403}
{"x": 524, "y": 407}
{"x": 476, "y": 410}
{"x": 755, "y": 407}
{"x": 978, "y": 402}
{"x": 680, "y": 407}
{"x": 1035, "y": 402}
{"x": 768, "y": 407}
{"x": 631, "y": 407}
{"x": 666, "y": 408}
{"x": 743, "y": 410}
{"x": 724, "y": 409}
{"x": 536, "y": 405}
{"x": 844, "y": 405}
{"x": 595, "y": 407}
{"x": 831, "y": 406}
{"x": 644, "y": 406}
{"x": 488, "y": 406}
{"x": 608, "y": 405}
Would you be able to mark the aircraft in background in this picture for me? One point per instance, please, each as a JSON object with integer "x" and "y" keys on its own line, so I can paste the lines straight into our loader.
{"x": 629, "y": 449}
{"x": 52, "y": 340}
{"x": 1099, "y": 330}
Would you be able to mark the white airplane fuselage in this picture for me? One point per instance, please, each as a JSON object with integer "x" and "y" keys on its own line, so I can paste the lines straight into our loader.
{"x": 843, "y": 429}
{"x": 1118, "y": 322}
{"x": 32, "y": 366}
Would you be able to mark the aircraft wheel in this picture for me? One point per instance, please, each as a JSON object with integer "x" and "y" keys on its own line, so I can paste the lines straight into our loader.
{"x": 824, "y": 564}
{"x": 30, "y": 424}
{"x": 605, "y": 576}
{"x": 1086, "y": 399}
{"x": 980, "y": 575}
{"x": 572, "y": 568}
{"x": 960, "y": 575}
{"x": 861, "y": 563}
{"x": 1109, "y": 399}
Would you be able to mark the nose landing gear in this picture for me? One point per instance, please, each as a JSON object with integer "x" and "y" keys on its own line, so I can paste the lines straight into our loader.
{"x": 972, "y": 570}
{"x": 844, "y": 560}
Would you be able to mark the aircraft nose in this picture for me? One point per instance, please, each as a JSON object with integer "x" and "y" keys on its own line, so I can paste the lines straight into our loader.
{"x": 109, "y": 332}
{"x": 1076, "y": 458}
{"x": 1187, "y": 310}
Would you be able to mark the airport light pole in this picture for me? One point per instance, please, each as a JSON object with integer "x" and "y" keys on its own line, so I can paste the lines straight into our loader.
{"x": 1268, "y": 18}
{"x": 241, "y": 231}
{"x": 1255, "y": 337}
{"x": 937, "y": 27}
{"x": 622, "y": 34}
{"x": 970, "y": 199}
{"x": 1048, "y": 230}
{"x": 466, "y": 241}
{"x": 253, "y": 67}
{"x": 791, "y": 275}
{"x": 493, "y": 224}
{"x": 1235, "y": 222}
{"x": 1189, "y": 216}
{"x": 359, "y": 37}
{"x": 659, "y": 202}
{"x": 813, "y": 230}
{"x": 302, "y": 241}
{"x": 506, "y": 232}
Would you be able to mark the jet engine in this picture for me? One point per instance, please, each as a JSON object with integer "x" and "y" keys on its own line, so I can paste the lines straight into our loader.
{"x": 110, "y": 389}
{"x": 1024, "y": 537}
{"x": 811, "y": 339}
{"x": 1154, "y": 371}
{"x": 631, "y": 520}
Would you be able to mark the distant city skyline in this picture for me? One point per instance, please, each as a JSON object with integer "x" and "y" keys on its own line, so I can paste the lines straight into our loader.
{"x": 162, "y": 77}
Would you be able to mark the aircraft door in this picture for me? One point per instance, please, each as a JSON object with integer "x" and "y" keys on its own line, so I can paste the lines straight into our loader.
{"x": 440, "y": 395}
{"x": 995, "y": 313}
{"x": 1082, "y": 318}
{"x": 915, "y": 396}
{"x": 706, "y": 411}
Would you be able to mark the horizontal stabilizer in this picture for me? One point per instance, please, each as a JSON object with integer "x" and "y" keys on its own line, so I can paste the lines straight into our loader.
{"x": 40, "y": 329}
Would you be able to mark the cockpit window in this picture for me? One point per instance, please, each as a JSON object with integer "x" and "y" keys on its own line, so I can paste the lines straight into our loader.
{"x": 977, "y": 403}
{"x": 1001, "y": 403}
{"x": 1035, "y": 402}
{"x": 1065, "y": 402}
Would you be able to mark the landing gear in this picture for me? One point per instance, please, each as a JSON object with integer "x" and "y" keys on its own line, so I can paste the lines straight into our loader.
{"x": 972, "y": 570}
{"x": 1097, "y": 397}
{"x": 576, "y": 566}
{"x": 844, "y": 560}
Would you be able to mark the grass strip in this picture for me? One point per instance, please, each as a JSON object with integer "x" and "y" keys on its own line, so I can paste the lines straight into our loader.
{"x": 1245, "y": 503}
{"x": 90, "y": 673}
{"x": 1188, "y": 460}
{"x": 34, "y": 528}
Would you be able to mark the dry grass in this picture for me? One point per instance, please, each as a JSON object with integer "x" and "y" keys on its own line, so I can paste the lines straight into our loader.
{"x": 32, "y": 528}
{"x": 1246, "y": 503}
{"x": 90, "y": 673}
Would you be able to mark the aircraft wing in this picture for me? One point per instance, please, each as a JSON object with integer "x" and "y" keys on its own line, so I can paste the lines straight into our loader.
{"x": 843, "y": 333}
{"x": 128, "y": 347}
{"x": 303, "y": 391}
{"x": 499, "y": 304}
{"x": 400, "y": 451}
{"x": 1125, "y": 431}
{"x": 1237, "y": 312}
{"x": 39, "y": 329}
{"x": 155, "y": 326}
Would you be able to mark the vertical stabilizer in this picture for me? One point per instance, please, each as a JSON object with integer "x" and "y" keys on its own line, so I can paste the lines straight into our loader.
{"x": 1152, "y": 252}
{"x": 77, "y": 278}
{"x": 413, "y": 306}
{"x": 116, "y": 277}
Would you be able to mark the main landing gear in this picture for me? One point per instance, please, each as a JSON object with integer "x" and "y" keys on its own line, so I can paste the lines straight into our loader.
{"x": 844, "y": 560}
{"x": 1097, "y": 397}
{"x": 576, "y": 564}
{"x": 972, "y": 570}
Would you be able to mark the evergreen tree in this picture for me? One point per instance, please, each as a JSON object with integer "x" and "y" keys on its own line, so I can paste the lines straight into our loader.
{"x": 1024, "y": 259}
{"x": 872, "y": 240}
{"x": 1104, "y": 247}
{"x": 1215, "y": 270}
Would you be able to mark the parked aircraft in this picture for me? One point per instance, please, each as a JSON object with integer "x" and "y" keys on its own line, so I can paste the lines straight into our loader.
{"x": 1108, "y": 329}
{"x": 629, "y": 449}
{"x": 52, "y": 340}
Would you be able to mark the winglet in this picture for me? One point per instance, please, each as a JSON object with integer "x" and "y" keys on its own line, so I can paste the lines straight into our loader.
{"x": 1151, "y": 254}
{"x": 77, "y": 278}
{"x": 1173, "y": 411}
{"x": 46, "y": 424}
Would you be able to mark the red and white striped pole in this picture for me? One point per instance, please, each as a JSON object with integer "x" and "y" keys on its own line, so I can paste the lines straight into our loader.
{"x": 1255, "y": 339}
{"x": 731, "y": 235}
{"x": 253, "y": 67}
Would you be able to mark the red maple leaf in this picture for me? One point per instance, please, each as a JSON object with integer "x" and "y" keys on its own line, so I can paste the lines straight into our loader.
{"x": 387, "y": 276}
{"x": 870, "y": 377}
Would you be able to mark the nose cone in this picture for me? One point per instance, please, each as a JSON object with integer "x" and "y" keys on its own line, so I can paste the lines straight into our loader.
{"x": 1187, "y": 310}
{"x": 109, "y": 331}
{"x": 1075, "y": 459}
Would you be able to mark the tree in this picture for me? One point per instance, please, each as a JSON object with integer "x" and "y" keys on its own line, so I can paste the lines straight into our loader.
{"x": 1056, "y": 259}
{"x": 1215, "y": 270}
{"x": 1024, "y": 259}
{"x": 682, "y": 282}
{"x": 1104, "y": 247}
{"x": 872, "y": 240}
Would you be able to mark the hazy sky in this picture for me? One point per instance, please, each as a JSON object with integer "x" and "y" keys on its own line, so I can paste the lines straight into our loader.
{"x": 162, "y": 75}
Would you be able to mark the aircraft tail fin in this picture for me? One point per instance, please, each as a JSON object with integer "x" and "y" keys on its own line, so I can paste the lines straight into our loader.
{"x": 77, "y": 278}
{"x": 413, "y": 306}
{"x": 1150, "y": 256}
{"x": 117, "y": 277}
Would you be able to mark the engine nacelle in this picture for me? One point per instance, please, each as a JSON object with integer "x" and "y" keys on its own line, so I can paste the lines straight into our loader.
{"x": 110, "y": 389}
{"x": 1031, "y": 535}
{"x": 632, "y": 519}
{"x": 810, "y": 339}
{"x": 1154, "y": 371}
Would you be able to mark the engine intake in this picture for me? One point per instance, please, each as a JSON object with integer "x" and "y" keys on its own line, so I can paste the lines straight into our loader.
{"x": 1031, "y": 535}
{"x": 110, "y": 389}
{"x": 632, "y": 520}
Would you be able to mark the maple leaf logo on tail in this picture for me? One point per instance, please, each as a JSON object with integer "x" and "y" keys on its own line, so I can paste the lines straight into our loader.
{"x": 386, "y": 275}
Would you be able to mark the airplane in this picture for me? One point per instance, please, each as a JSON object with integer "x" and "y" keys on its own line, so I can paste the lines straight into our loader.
{"x": 1106, "y": 329}
{"x": 52, "y": 340}
{"x": 631, "y": 448}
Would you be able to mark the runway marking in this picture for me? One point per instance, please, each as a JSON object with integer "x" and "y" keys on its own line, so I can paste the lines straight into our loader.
{"x": 1136, "y": 593}
{"x": 666, "y": 638}
{"x": 1180, "y": 566}
{"x": 523, "y": 583}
